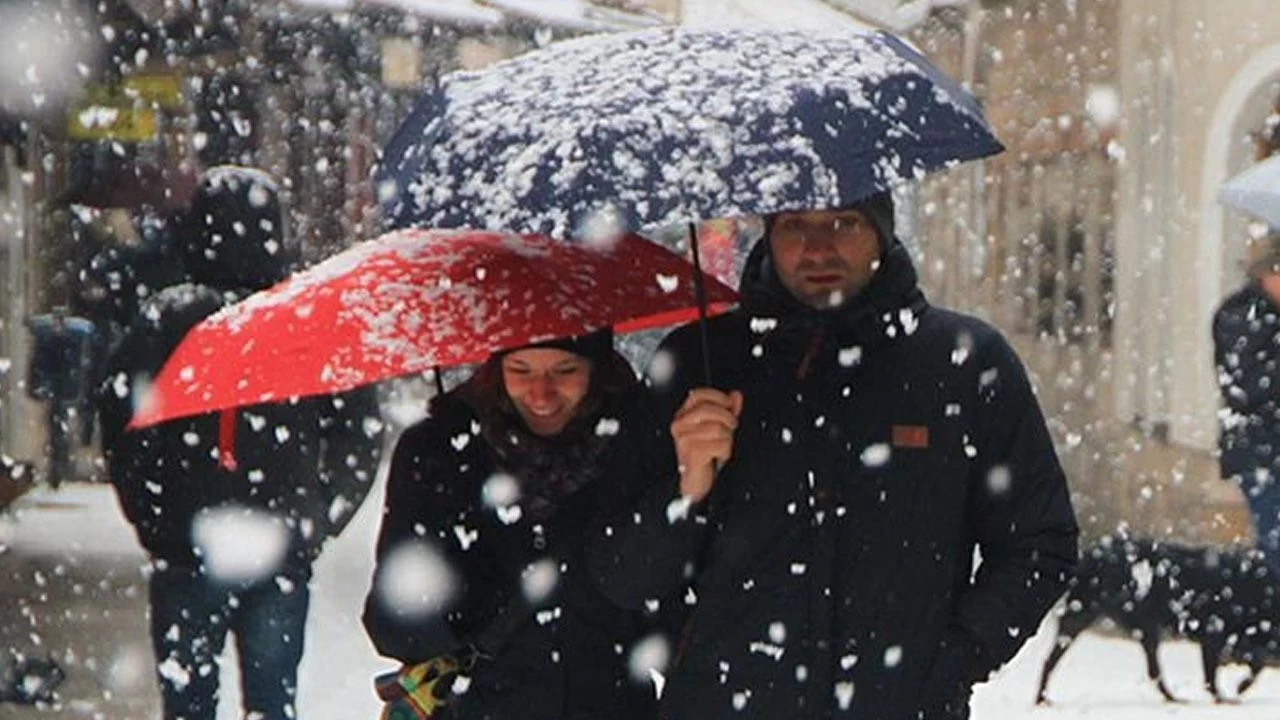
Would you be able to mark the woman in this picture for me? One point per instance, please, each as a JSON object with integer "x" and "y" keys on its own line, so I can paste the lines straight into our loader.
{"x": 488, "y": 499}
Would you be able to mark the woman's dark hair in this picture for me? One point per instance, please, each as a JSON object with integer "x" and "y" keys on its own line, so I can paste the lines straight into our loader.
{"x": 611, "y": 376}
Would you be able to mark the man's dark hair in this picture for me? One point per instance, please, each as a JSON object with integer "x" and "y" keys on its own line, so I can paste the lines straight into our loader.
{"x": 1268, "y": 264}
{"x": 879, "y": 211}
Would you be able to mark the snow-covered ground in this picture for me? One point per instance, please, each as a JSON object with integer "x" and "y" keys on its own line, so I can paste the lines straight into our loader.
{"x": 1101, "y": 678}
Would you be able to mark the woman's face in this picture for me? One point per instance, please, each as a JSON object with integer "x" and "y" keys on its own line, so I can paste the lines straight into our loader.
{"x": 547, "y": 386}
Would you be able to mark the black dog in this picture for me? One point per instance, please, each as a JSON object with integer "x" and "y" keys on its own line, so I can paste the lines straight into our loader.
{"x": 30, "y": 681}
{"x": 15, "y": 479}
{"x": 1227, "y": 602}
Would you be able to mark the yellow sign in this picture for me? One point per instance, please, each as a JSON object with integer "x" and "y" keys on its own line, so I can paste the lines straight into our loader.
{"x": 101, "y": 121}
{"x": 126, "y": 112}
{"x": 161, "y": 90}
{"x": 149, "y": 91}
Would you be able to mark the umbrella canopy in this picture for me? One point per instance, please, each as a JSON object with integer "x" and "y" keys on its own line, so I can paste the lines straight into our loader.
{"x": 1256, "y": 191}
{"x": 645, "y": 129}
{"x": 415, "y": 300}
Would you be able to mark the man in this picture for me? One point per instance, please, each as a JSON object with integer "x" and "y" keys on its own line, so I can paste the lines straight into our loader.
{"x": 826, "y": 496}
{"x": 1246, "y": 330}
{"x": 234, "y": 513}
{"x": 59, "y": 372}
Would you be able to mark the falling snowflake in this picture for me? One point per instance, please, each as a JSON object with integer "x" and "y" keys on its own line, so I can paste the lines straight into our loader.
{"x": 761, "y": 325}
{"x": 500, "y": 490}
{"x": 772, "y": 650}
{"x": 907, "y": 318}
{"x": 964, "y": 346}
{"x": 466, "y": 537}
{"x": 461, "y": 684}
{"x": 999, "y": 480}
{"x": 678, "y": 509}
{"x": 661, "y": 368}
{"x": 177, "y": 675}
{"x": 415, "y": 580}
{"x": 844, "y": 694}
{"x": 877, "y": 455}
{"x": 510, "y": 515}
{"x": 988, "y": 377}
{"x": 240, "y": 544}
{"x": 650, "y": 654}
{"x": 539, "y": 580}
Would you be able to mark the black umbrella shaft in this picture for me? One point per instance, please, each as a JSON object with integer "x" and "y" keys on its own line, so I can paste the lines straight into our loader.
{"x": 700, "y": 295}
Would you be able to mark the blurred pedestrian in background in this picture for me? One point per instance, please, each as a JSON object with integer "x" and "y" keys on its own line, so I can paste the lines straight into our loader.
{"x": 232, "y": 507}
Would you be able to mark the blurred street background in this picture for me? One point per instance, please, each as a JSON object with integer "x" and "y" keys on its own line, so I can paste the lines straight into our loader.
{"x": 1096, "y": 242}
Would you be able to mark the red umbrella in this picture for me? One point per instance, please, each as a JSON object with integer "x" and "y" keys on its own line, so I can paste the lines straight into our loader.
{"x": 414, "y": 300}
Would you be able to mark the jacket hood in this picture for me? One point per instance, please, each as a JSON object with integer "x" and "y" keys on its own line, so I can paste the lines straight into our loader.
{"x": 234, "y": 236}
{"x": 893, "y": 287}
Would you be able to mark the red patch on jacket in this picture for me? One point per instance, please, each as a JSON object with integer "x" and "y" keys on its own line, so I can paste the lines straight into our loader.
{"x": 911, "y": 436}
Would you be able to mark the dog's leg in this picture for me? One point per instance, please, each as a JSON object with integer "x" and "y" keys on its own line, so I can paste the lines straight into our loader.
{"x": 1210, "y": 655}
{"x": 1255, "y": 669}
{"x": 1150, "y": 644}
{"x": 1070, "y": 625}
{"x": 1060, "y": 645}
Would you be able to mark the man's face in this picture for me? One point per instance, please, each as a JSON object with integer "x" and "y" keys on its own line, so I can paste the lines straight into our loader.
{"x": 1270, "y": 283}
{"x": 824, "y": 257}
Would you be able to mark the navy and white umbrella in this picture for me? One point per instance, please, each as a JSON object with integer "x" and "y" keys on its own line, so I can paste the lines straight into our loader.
{"x": 650, "y": 128}
{"x": 1256, "y": 191}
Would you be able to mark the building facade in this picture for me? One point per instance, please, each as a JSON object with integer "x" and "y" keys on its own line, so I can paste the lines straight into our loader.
{"x": 299, "y": 89}
{"x": 1097, "y": 240}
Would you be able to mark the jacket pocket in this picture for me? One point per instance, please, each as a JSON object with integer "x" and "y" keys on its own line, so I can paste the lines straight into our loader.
{"x": 949, "y": 684}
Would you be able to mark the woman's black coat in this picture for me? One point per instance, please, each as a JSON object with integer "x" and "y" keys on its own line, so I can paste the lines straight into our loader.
{"x": 566, "y": 655}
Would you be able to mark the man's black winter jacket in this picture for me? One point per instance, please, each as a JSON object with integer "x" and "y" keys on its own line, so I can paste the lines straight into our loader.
{"x": 833, "y": 564}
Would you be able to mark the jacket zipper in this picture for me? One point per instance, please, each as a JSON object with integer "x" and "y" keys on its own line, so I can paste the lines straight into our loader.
{"x": 811, "y": 352}
{"x": 686, "y": 634}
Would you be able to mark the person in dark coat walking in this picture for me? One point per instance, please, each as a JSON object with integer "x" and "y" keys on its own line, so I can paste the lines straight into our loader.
{"x": 142, "y": 259}
{"x": 866, "y": 444}
{"x": 480, "y": 550}
{"x": 59, "y": 374}
{"x": 1246, "y": 348}
{"x": 232, "y": 514}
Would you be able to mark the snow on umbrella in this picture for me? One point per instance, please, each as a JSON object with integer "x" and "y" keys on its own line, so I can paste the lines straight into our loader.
{"x": 671, "y": 125}
{"x": 411, "y": 301}
{"x": 1256, "y": 191}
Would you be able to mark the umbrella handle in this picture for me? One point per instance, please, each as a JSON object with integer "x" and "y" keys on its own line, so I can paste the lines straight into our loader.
{"x": 700, "y": 295}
